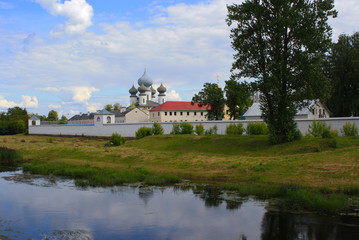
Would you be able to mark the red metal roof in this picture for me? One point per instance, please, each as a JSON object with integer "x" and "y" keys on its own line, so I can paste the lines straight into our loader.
{"x": 179, "y": 106}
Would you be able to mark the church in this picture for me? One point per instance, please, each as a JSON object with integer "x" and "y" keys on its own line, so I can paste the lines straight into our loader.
{"x": 144, "y": 107}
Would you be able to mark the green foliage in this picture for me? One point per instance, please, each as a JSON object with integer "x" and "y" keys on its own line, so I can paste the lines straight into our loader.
{"x": 211, "y": 96}
{"x": 182, "y": 128}
{"x": 235, "y": 129}
{"x": 63, "y": 120}
{"x": 320, "y": 129}
{"x": 143, "y": 132}
{"x": 212, "y": 131}
{"x": 343, "y": 74}
{"x": 199, "y": 129}
{"x": 50, "y": 140}
{"x": 117, "y": 140}
{"x": 350, "y": 130}
{"x": 176, "y": 129}
{"x": 52, "y": 116}
{"x": 98, "y": 177}
{"x": 157, "y": 129}
{"x": 108, "y": 107}
{"x": 257, "y": 128}
{"x": 9, "y": 157}
{"x": 238, "y": 98}
{"x": 186, "y": 128}
{"x": 274, "y": 44}
{"x": 14, "y": 121}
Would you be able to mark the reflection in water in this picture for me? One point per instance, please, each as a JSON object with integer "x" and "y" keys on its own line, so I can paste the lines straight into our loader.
{"x": 48, "y": 208}
{"x": 285, "y": 226}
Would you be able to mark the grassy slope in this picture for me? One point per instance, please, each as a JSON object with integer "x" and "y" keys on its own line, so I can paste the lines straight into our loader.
{"x": 236, "y": 159}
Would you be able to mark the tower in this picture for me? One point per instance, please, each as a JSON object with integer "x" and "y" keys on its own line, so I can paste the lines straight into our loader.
{"x": 133, "y": 98}
{"x": 143, "y": 96}
{"x": 162, "y": 94}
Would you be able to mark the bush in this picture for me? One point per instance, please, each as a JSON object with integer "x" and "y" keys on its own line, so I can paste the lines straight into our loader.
{"x": 235, "y": 129}
{"x": 320, "y": 129}
{"x": 157, "y": 129}
{"x": 257, "y": 128}
{"x": 199, "y": 129}
{"x": 186, "y": 128}
{"x": 176, "y": 129}
{"x": 182, "y": 128}
{"x": 117, "y": 140}
{"x": 143, "y": 132}
{"x": 212, "y": 131}
{"x": 350, "y": 130}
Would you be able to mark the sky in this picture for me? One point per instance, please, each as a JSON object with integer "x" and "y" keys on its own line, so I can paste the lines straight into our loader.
{"x": 76, "y": 56}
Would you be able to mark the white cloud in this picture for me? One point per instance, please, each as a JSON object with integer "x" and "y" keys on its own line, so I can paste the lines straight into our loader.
{"x": 78, "y": 12}
{"x": 55, "y": 106}
{"x": 27, "y": 102}
{"x": 81, "y": 94}
{"x": 93, "y": 107}
{"x": 173, "y": 96}
{"x": 347, "y": 20}
{"x": 49, "y": 89}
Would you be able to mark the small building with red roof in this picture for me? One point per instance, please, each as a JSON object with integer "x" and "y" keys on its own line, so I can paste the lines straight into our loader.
{"x": 178, "y": 111}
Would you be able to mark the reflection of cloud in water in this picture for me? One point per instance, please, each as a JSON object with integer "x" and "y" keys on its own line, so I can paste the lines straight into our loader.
{"x": 125, "y": 212}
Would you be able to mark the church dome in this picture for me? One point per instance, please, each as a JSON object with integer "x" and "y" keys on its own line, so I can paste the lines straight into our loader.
{"x": 133, "y": 90}
{"x": 142, "y": 88}
{"x": 161, "y": 89}
{"x": 145, "y": 80}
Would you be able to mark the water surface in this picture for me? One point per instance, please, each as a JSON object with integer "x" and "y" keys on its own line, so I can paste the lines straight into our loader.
{"x": 53, "y": 208}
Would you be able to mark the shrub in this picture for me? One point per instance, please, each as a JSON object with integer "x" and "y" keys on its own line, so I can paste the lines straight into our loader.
{"x": 143, "y": 132}
{"x": 320, "y": 129}
{"x": 157, "y": 129}
{"x": 117, "y": 140}
{"x": 350, "y": 130}
{"x": 257, "y": 128}
{"x": 199, "y": 129}
{"x": 212, "y": 131}
{"x": 176, "y": 129}
{"x": 235, "y": 129}
{"x": 186, "y": 128}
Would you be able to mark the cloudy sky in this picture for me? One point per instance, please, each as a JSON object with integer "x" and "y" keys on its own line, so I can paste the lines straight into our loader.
{"x": 78, "y": 55}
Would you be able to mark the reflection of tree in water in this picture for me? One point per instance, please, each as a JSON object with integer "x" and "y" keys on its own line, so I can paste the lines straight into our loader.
{"x": 290, "y": 226}
{"x": 214, "y": 196}
{"x": 145, "y": 193}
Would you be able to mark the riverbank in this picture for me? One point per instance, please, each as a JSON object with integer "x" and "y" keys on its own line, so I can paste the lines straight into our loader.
{"x": 311, "y": 169}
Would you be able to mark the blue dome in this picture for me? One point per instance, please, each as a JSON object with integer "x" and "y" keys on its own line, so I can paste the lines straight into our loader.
{"x": 145, "y": 80}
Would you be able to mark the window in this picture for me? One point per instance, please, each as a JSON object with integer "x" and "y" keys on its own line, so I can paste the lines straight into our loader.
{"x": 33, "y": 122}
{"x": 170, "y": 113}
{"x": 181, "y": 113}
{"x": 98, "y": 119}
{"x": 153, "y": 115}
{"x": 187, "y": 113}
{"x": 195, "y": 113}
{"x": 175, "y": 113}
{"x": 143, "y": 100}
{"x": 158, "y": 113}
{"x": 201, "y": 113}
{"x": 165, "y": 113}
{"x": 108, "y": 119}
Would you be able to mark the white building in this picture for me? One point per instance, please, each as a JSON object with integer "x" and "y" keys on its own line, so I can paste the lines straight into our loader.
{"x": 178, "y": 111}
{"x": 315, "y": 110}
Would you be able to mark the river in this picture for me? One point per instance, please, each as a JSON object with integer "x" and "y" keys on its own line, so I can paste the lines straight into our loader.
{"x": 34, "y": 207}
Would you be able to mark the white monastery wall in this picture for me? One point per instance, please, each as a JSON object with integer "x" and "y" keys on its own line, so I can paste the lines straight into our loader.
{"x": 129, "y": 129}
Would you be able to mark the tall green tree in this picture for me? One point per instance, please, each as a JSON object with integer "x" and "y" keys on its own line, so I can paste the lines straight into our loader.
{"x": 282, "y": 44}
{"x": 52, "y": 116}
{"x": 117, "y": 106}
{"x": 238, "y": 98}
{"x": 343, "y": 73}
{"x": 14, "y": 121}
{"x": 212, "y": 96}
{"x": 63, "y": 120}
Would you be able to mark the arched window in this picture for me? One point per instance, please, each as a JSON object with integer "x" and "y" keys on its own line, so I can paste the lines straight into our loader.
{"x": 108, "y": 119}
{"x": 98, "y": 119}
{"x": 33, "y": 122}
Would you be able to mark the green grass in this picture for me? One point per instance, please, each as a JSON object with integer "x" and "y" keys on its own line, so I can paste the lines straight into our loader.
{"x": 93, "y": 176}
{"x": 10, "y": 157}
{"x": 301, "y": 173}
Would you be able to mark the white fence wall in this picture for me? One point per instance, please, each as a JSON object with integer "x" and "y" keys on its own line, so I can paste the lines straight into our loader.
{"x": 129, "y": 129}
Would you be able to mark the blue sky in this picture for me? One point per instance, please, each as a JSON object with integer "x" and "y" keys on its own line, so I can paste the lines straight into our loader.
{"x": 78, "y": 55}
